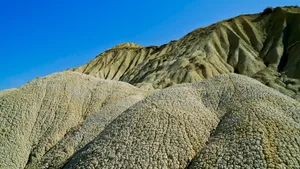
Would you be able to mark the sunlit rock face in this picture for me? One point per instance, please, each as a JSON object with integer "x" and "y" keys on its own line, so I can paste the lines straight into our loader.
{"x": 224, "y": 96}
{"x": 263, "y": 46}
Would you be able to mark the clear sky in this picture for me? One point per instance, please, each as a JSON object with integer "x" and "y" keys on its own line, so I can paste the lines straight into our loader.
{"x": 40, "y": 37}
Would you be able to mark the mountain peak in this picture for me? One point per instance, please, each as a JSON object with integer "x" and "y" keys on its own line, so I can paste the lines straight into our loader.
{"x": 127, "y": 45}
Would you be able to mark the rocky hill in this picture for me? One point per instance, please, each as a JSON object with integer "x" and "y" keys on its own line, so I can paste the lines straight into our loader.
{"x": 223, "y": 96}
{"x": 263, "y": 46}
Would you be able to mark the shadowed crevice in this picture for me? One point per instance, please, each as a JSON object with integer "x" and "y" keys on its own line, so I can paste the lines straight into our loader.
{"x": 284, "y": 57}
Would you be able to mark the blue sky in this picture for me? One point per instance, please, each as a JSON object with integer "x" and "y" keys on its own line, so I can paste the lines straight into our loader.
{"x": 38, "y": 38}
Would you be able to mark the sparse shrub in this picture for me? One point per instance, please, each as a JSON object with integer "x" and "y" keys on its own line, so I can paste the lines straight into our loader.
{"x": 267, "y": 11}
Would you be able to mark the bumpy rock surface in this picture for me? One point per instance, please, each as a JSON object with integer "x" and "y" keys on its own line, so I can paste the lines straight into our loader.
{"x": 44, "y": 122}
{"x": 216, "y": 119}
{"x": 264, "y": 46}
{"x": 70, "y": 120}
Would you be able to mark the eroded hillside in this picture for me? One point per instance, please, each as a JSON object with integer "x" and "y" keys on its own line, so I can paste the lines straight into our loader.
{"x": 127, "y": 108}
{"x": 264, "y": 46}
{"x": 71, "y": 120}
{"x": 44, "y": 122}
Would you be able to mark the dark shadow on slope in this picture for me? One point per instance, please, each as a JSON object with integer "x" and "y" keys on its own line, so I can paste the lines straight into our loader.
{"x": 284, "y": 57}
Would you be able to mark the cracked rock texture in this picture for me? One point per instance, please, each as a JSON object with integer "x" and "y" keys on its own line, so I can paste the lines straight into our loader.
{"x": 44, "y": 122}
{"x": 230, "y": 121}
{"x": 224, "y": 96}
{"x": 71, "y": 120}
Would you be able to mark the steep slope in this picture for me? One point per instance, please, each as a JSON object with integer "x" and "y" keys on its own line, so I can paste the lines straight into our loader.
{"x": 263, "y": 46}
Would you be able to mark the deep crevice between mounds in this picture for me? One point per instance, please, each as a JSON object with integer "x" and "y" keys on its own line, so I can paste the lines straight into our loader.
{"x": 217, "y": 129}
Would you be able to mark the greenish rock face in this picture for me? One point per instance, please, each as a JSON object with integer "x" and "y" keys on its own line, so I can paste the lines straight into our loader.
{"x": 224, "y": 96}
{"x": 263, "y": 46}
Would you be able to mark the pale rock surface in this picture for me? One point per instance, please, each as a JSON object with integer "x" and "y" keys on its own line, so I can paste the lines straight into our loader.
{"x": 44, "y": 122}
{"x": 229, "y": 121}
{"x": 72, "y": 120}
{"x": 187, "y": 108}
